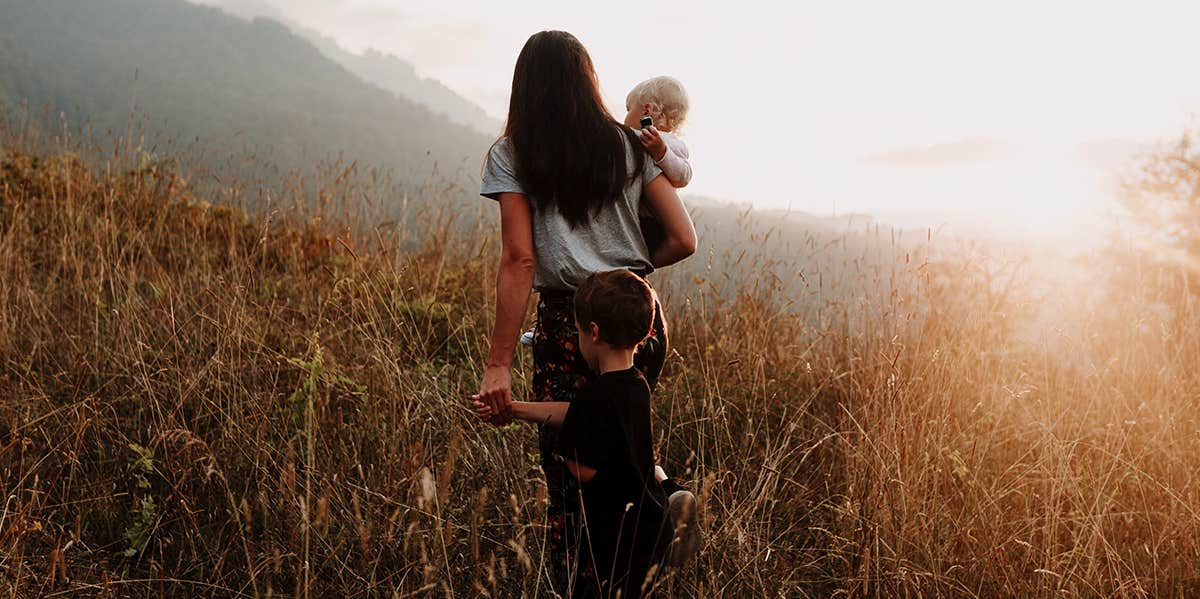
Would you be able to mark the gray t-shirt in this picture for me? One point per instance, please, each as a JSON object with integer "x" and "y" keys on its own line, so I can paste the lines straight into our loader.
{"x": 565, "y": 256}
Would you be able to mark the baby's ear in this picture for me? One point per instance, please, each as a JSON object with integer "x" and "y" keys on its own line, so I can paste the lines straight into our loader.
{"x": 647, "y": 108}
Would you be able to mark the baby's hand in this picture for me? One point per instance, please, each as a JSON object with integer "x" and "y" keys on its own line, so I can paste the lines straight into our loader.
{"x": 654, "y": 143}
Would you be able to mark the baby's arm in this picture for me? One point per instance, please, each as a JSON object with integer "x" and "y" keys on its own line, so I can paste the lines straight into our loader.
{"x": 537, "y": 412}
{"x": 670, "y": 154}
{"x": 675, "y": 163}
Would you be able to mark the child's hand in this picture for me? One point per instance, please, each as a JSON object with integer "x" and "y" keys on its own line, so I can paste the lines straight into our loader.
{"x": 482, "y": 410}
{"x": 654, "y": 143}
{"x": 486, "y": 414}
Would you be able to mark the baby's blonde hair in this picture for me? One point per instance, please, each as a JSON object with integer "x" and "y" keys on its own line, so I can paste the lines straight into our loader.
{"x": 667, "y": 99}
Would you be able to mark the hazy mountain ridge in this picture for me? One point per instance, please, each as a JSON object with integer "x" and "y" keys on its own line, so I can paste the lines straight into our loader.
{"x": 400, "y": 77}
{"x": 197, "y": 73}
{"x": 387, "y": 71}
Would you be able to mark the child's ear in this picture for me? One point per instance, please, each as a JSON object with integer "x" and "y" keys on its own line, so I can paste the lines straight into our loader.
{"x": 594, "y": 331}
{"x": 647, "y": 108}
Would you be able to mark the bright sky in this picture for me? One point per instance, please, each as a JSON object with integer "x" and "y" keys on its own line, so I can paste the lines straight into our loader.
{"x": 1007, "y": 114}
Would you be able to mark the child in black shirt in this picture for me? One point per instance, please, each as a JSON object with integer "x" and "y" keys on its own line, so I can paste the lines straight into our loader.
{"x": 606, "y": 441}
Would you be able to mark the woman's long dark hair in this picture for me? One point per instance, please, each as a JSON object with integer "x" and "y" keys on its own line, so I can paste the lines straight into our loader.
{"x": 570, "y": 151}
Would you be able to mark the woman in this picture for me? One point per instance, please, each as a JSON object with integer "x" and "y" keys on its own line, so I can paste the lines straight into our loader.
{"x": 569, "y": 179}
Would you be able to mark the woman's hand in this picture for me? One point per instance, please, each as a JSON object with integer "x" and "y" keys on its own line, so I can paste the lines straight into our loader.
{"x": 495, "y": 392}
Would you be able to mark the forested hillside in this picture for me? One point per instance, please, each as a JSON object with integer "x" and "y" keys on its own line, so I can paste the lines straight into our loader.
{"x": 194, "y": 74}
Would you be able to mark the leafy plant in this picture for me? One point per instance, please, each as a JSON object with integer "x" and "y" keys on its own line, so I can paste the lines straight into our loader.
{"x": 139, "y": 531}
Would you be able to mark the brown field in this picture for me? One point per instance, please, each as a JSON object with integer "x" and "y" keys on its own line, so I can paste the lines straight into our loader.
{"x": 197, "y": 400}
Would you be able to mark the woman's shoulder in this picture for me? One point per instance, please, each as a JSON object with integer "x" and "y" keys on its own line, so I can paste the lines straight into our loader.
{"x": 633, "y": 146}
{"x": 501, "y": 148}
{"x": 630, "y": 138}
{"x": 500, "y": 170}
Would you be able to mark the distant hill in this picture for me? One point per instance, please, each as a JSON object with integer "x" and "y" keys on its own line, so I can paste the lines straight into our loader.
{"x": 195, "y": 73}
{"x": 400, "y": 77}
{"x": 387, "y": 71}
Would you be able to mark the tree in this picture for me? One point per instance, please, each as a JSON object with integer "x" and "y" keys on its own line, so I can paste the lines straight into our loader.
{"x": 1157, "y": 258}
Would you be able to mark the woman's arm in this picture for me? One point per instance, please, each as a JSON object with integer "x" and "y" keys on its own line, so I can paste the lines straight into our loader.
{"x": 680, "y": 234}
{"x": 514, "y": 282}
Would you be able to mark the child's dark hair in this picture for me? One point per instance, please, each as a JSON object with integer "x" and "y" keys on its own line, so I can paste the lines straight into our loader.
{"x": 620, "y": 303}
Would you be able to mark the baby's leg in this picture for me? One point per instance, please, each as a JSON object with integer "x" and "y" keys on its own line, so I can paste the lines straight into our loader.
{"x": 682, "y": 511}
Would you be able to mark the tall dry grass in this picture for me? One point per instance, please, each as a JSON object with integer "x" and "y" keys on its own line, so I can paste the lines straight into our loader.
{"x": 203, "y": 401}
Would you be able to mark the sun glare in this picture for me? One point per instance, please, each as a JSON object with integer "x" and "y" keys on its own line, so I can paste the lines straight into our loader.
{"x": 795, "y": 104}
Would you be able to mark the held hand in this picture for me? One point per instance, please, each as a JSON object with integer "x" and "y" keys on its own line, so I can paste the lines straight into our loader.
{"x": 653, "y": 142}
{"x": 495, "y": 390}
{"x": 486, "y": 414}
{"x": 482, "y": 410}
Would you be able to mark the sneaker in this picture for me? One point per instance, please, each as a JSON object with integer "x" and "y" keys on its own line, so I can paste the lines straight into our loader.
{"x": 682, "y": 506}
{"x": 527, "y": 336}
